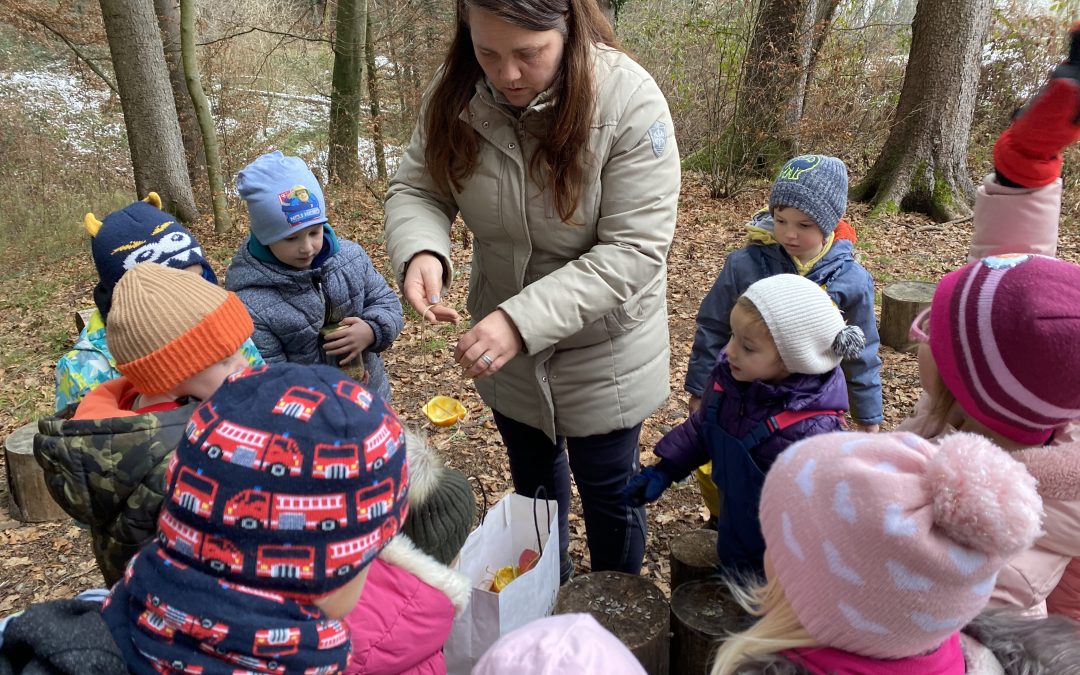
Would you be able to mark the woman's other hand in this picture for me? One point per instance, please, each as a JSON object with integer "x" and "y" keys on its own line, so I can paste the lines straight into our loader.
{"x": 423, "y": 282}
{"x": 488, "y": 345}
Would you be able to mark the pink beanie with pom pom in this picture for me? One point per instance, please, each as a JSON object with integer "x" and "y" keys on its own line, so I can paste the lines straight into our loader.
{"x": 887, "y": 544}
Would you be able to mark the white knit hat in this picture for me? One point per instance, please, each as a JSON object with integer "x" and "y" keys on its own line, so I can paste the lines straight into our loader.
{"x": 806, "y": 326}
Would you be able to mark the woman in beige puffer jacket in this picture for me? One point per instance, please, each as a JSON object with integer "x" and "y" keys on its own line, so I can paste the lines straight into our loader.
{"x": 558, "y": 153}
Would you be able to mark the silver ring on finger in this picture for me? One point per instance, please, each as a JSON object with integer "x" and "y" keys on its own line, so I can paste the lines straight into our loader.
{"x": 487, "y": 360}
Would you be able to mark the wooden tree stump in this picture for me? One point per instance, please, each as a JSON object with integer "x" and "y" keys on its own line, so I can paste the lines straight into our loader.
{"x": 702, "y": 614}
{"x": 693, "y": 557}
{"x": 901, "y": 302}
{"x": 30, "y": 500}
{"x": 629, "y": 606}
{"x": 82, "y": 317}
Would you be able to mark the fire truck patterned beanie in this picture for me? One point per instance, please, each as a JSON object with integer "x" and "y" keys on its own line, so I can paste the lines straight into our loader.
{"x": 289, "y": 480}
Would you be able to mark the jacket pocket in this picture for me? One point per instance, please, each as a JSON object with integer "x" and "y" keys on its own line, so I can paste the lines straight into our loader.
{"x": 621, "y": 320}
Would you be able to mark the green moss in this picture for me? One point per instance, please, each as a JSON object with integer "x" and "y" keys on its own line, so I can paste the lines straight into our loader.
{"x": 886, "y": 208}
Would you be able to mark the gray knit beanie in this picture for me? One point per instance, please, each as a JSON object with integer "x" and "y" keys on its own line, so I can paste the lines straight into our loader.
{"x": 442, "y": 509}
{"x": 817, "y": 185}
{"x": 805, "y": 325}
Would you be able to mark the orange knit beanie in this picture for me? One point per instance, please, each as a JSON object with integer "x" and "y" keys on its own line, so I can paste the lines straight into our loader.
{"x": 166, "y": 325}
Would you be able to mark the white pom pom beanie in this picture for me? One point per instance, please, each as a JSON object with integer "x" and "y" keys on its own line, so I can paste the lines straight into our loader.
{"x": 886, "y": 544}
{"x": 805, "y": 324}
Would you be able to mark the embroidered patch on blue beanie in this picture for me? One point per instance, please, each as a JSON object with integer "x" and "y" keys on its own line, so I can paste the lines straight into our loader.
{"x": 282, "y": 196}
{"x": 140, "y": 232}
{"x": 289, "y": 478}
{"x": 817, "y": 185}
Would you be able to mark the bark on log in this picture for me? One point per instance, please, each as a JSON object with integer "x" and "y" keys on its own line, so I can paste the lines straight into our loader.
{"x": 901, "y": 302}
{"x": 693, "y": 557}
{"x": 30, "y": 501}
{"x": 702, "y": 614}
{"x": 629, "y": 606}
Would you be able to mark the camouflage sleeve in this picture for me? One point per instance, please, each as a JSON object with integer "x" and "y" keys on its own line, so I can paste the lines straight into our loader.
{"x": 78, "y": 372}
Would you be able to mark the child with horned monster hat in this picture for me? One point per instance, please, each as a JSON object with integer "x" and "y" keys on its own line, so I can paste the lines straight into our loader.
{"x": 140, "y": 232}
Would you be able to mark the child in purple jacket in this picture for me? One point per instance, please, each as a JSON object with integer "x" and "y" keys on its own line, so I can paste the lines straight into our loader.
{"x": 778, "y": 380}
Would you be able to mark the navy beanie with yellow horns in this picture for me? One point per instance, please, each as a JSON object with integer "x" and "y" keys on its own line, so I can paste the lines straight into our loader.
{"x": 139, "y": 232}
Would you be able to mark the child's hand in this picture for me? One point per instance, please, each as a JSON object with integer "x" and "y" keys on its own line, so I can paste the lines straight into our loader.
{"x": 646, "y": 487}
{"x": 349, "y": 341}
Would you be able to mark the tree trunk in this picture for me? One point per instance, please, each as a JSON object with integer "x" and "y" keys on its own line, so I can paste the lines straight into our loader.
{"x": 153, "y": 132}
{"x": 373, "y": 99}
{"x": 787, "y": 36}
{"x": 345, "y": 95}
{"x": 168, "y": 16}
{"x": 923, "y": 165}
{"x": 222, "y": 222}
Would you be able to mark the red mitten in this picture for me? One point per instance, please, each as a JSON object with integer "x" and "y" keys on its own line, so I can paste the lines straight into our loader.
{"x": 1028, "y": 153}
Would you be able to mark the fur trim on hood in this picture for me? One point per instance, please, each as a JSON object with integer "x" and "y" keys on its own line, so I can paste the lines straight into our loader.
{"x": 401, "y": 552}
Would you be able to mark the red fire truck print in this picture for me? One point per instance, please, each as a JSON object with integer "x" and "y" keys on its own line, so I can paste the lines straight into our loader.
{"x": 403, "y": 484}
{"x": 299, "y": 402}
{"x": 254, "y": 449}
{"x": 320, "y": 670}
{"x": 250, "y": 664}
{"x": 331, "y": 634}
{"x": 276, "y": 642}
{"x": 170, "y": 470}
{"x": 155, "y": 623}
{"x": 257, "y": 592}
{"x": 194, "y": 492}
{"x": 286, "y": 562}
{"x": 204, "y": 416}
{"x": 344, "y": 555}
{"x": 247, "y": 372}
{"x": 221, "y": 554}
{"x": 355, "y": 393}
{"x": 389, "y": 528}
{"x": 172, "y": 667}
{"x": 336, "y": 461}
{"x": 381, "y": 444}
{"x": 204, "y": 630}
{"x": 375, "y": 500}
{"x": 253, "y": 509}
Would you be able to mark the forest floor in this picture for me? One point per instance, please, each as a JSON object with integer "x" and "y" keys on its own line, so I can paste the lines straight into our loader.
{"x": 53, "y": 560}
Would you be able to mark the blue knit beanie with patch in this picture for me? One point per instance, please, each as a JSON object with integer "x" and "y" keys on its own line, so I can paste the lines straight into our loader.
{"x": 282, "y": 196}
{"x": 817, "y": 185}
{"x": 140, "y": 232}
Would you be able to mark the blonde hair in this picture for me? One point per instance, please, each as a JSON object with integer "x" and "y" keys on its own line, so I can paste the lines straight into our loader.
{"x": 755, "y": 314}
{"x": 776, "y": 629}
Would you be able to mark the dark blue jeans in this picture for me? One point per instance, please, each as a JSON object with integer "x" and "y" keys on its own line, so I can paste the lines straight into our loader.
{"x": 602, "y": 465}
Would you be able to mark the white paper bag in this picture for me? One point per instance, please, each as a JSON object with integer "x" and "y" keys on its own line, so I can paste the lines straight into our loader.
{"x": 509, "y": 528}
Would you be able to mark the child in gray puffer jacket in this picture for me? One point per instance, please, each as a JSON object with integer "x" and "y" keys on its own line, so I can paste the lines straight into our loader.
{"x": 314, "y": 298}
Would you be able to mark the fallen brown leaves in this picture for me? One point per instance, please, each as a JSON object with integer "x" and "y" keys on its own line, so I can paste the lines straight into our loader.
{"x": 53, "y": 560}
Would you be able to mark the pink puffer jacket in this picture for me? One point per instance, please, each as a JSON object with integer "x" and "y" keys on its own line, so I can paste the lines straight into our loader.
{"x": 405, "y": 613}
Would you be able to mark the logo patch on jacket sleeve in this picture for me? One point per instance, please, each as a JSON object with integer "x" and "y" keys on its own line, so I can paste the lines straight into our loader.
{"x": 658, "y": 136}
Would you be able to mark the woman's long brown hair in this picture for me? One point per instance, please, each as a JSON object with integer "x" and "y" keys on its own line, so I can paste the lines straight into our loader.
{"x": 560, "y": 165}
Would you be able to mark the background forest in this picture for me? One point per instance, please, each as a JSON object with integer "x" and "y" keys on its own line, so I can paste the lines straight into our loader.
{"x": 95, "y": 111}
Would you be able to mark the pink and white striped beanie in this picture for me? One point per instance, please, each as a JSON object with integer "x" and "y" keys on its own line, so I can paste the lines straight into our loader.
{"x": 886, "y": 544}
{"x": 1005, "y": 335}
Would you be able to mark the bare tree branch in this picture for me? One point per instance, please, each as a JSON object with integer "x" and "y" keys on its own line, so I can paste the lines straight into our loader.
{"x": 82, "y": 57}
{"x": 256, "y": 29}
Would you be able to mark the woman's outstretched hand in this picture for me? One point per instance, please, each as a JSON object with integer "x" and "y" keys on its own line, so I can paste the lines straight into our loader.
{"x": 488, "y": 345}
{"x": 422, "y": 285}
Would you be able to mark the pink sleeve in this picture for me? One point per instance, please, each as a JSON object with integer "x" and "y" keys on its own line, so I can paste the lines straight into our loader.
{"x": 1015, "y": 220}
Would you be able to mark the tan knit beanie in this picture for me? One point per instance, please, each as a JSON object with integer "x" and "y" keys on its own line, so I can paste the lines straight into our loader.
{"x": 167, "y": 325}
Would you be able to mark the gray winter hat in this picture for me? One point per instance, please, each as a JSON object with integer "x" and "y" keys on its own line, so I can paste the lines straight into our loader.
{"x": 817, "y": 185}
